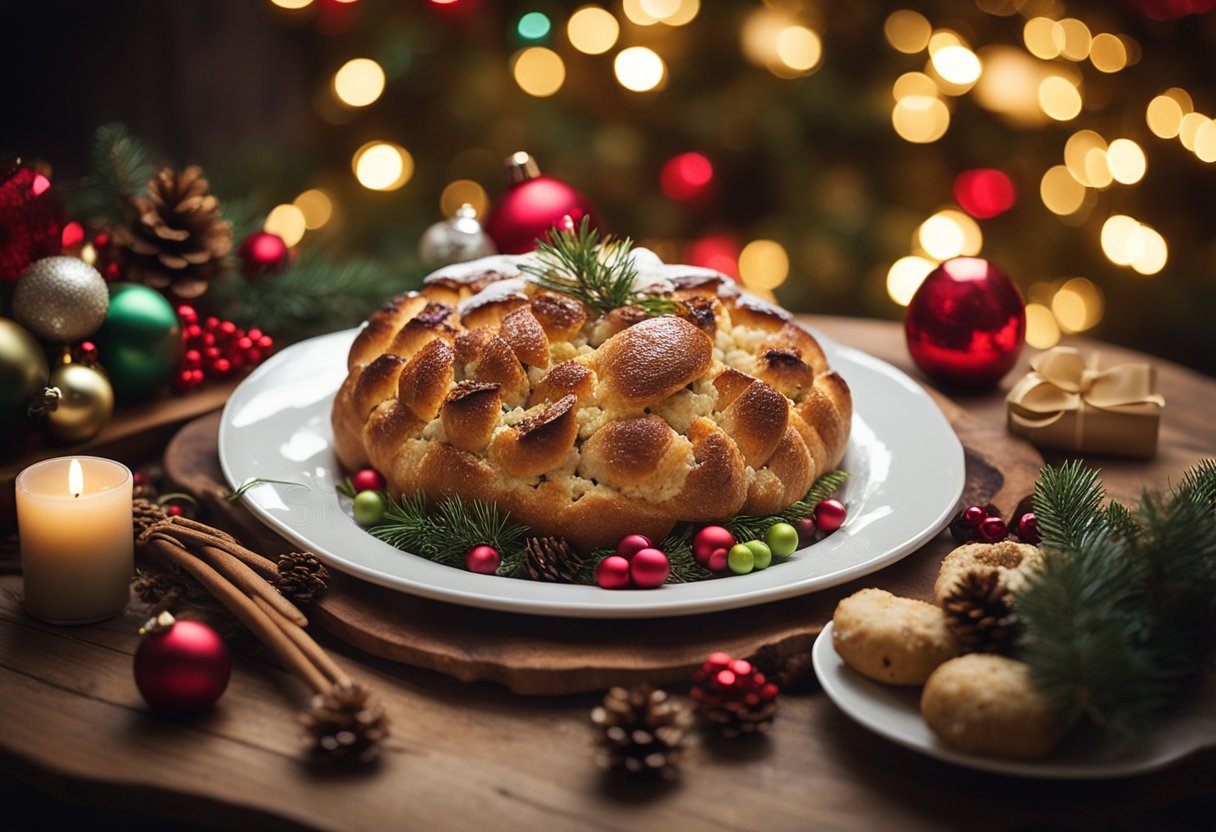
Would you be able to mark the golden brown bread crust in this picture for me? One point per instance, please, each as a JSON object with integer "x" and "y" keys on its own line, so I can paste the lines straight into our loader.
{"x": 591, "y": 427}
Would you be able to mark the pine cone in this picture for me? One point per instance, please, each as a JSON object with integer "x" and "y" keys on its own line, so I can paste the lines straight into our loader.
{"x": 175, "y": 237}
{"x": 642, "y": 732}
{"x": 792, "y": 674}
{"x": 159, "y": 589}
{"x": 551, "y": 559}
{"x": 734, "y": 696}
{"x": 979, "y": 611}
{"x": 345, "y": 723}
{"x": 302, "y": 577}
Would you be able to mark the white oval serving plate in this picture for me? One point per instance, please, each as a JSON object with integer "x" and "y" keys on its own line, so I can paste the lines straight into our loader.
{"x": 905, "y": 460}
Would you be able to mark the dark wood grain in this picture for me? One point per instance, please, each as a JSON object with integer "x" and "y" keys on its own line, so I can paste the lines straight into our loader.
{"x": 468, "y": 756}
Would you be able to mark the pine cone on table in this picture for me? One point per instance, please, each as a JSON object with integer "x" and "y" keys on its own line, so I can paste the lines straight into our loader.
{"x": 642, "y": 732}
{"x": 345, "y": 723}
{"x": 551, "y": 559}
{"x": 175, "y": 238}
{"x": 979, "y": 611}
{"x": 302, "y": 577}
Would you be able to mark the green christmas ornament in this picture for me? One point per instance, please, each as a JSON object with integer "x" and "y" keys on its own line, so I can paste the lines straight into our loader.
{"x": 23, "y": 376}
{"x": 140, "y": 343}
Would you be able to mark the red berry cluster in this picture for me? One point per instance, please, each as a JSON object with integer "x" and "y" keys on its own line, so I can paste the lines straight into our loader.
{"x": 983, "y": 524}
{"x": 214, "y": 349}
{"x": 729, "y": 686}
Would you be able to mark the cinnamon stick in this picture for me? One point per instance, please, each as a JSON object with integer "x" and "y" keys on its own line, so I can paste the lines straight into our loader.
{"x": 305, "y": 642}
{"x": 264, "y": 567}
{"x": 253, "y": 586}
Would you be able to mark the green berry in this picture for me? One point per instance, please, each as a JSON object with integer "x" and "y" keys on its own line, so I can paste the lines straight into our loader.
{"x": 782, "y": 538}
{"x": 740, "y": 559}
{"x": 369, "y": 507}
{"x": 761, "y": 554}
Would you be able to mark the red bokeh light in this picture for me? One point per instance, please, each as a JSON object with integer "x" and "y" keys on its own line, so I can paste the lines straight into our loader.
{"x": 40, "y": 185}
{"x": 984, "y": 192}
{"x": 686, "y": 176}
{"x": 73, "y": 234}
{"x": 717, "y": 251}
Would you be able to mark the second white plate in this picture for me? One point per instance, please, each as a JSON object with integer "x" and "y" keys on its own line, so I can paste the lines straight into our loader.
{"x": 905, "y": 460}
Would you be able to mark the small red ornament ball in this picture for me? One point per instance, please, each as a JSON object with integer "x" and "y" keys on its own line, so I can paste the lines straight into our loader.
{"x": 531, "y": 205}
{"x": 719, "y": 560}
{"x": 612, "y": 573}
{"x": 649, "y": 568}
{"x": 368, "y": 479}
{"x": 830, "y": 515}
{"x": 966, "y": 323}
{"x": 806, "y": 530}
{"x": 1027, "y": 529}
{"x": 263, "y": 253}
{"x": 483, "y": 560}
{"x": 993, "y": 530}
{"x": 631, "y": 544}
{"x": 181, "y": 666}
{"x": 709, "y": 540}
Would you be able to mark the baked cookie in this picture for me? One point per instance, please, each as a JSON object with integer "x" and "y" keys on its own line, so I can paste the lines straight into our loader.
{"x": 897, "y": 641}
{"x": 1012, "y": 561}
{"x": 985, "y": 704}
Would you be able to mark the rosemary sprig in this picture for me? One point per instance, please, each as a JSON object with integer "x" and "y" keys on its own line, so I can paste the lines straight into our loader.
{"x": 255, "y": 481}
{"x": 599, "y": 273}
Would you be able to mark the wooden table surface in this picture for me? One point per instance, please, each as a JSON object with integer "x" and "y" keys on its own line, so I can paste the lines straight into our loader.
{"x": 72, "y": 726}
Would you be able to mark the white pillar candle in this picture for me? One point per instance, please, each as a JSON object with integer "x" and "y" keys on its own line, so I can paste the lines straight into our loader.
{"x": 77, "y": 547}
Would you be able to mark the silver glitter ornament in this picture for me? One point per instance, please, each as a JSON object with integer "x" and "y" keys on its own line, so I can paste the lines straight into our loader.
{"x": 457, "y": 240}
{"x": 61, "y": 299}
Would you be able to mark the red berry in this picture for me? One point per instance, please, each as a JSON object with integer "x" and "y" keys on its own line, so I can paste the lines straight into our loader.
{"x": 1027, "y": 529}
{"x": 709, "y": 540}
{"x": 631, "y": 544}
{"x": 649, "y": 568}
{"x": 830, "y": 515}
{"x": 974, "y": 515}
{"x": 173, "y": 510}
{"x": 612, "y": 572}
{"x": 806, "y": 530}
{"x": 993, "y": 530}
{"x": 718, "y": 560}
{"x": 483, "y": 560}
{"x": 368, "y": 479}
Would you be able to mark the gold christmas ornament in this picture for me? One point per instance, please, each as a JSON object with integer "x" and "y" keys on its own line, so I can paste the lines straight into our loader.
{"x": 23, "y": 374}
{"x": 61, "y": 299}
{"x": 85, "y": 404}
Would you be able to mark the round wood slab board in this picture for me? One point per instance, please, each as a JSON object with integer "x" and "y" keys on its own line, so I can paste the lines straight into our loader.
{"x": 540, "y": 655}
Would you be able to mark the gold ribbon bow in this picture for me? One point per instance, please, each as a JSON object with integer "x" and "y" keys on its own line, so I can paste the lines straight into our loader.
{"x": 1062, "y": 382}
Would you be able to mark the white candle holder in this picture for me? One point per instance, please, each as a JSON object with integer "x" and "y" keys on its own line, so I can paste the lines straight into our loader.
{"x": 77, "y": 542}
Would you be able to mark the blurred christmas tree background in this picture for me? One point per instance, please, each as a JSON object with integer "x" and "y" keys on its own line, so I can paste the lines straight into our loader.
{"x": 829, "y": 152}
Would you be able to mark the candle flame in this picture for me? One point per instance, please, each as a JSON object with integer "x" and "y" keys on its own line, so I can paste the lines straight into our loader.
{"x": 75, "y": 478}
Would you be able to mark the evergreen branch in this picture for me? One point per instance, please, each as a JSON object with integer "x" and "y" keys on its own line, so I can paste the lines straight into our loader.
{"x": 1067, "y": 500}
{"x": 255, "y": 481}
{"x": 1199, "y": 484}
{"x": 120, "y": 169}
{"x": 1119, "y": 518}
{"x": 599, "y": 273}
{"x": 448, "y": 533}
{"x": 684, "y": 567}
{"x": 750, "y": 527}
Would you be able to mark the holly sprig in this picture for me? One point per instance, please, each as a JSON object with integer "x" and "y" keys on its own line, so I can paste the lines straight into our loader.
{"x": 599, "y": 273}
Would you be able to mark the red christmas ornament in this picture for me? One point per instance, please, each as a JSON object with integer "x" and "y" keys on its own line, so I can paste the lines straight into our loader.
{"x": 830, "y": 515}
{"x": 263, "y": 253}
{"x": 483, "y": 560}
{"x": 181, "y": 666}
{"x": 806, "y": 530}
{"x": 733, "y": 695}
{"x": 993, "y": 530}
{"x": 630, "y": 545}
{"x": 531, "y": 205}
{"x": 649, "y": 568}
{"x": 966, "y": 323}
{"x": 709, "y": 540}
{"x": 368, "y": 479}
{"x": 612, "y": 572}
{"x": 31, "y": 218}
{"x": 718, "y": 561}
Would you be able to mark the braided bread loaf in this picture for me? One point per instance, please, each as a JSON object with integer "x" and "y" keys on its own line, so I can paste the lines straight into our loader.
{"x": 486, "y": 386}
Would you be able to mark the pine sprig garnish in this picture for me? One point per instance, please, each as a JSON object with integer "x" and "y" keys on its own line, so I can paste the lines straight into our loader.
{"x": 749, "y": 527}
{"x": 1199, "y": 484}
{"x": 1120, "y": 614}
{"x": 684, "y": 567}
{"x": 120, "y": 168}
{"x": 446, "y": 534}
{"x": 599, "y": 273}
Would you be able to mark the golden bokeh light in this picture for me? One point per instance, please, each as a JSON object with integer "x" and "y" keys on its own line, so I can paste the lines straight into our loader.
{"x": 1009, "y": 85}
{"x": 359, "y": 82}
{"x": 1121, "y": 239}
{"x": 913, "y": 83}
{"x": 758, "y": 37}
{"x": 1153, "y": 252}
{"x": 1042, "y": 332}
{"x": 292, "y": 4}
{"x": 949, "y": 233}
{"x": 1205, "y": 142}
{"x": 945, "y": 37}
{"x": 1164, "y": 116}
{"x": 463, "y": 192}
{"x": 287, "y": 222}
{"x": 635, "y": 10}
{"x": 316, "y": 206}
{"x": 660, "y": 9}
{"x": 539, "y": 72}
{"x": 907, "y": 31}
{"x": 1077, "y": 305}
{"x": 685, "y": 14}
{"x": 639, "y": 69}
{"x": 920, "y": 119}
{"x": 1060, "y": 191}
{"x": 905, "y": 276}
{"x": 1077, "y": 39}
{"x": 1044, "y": 37}
{"x": 1107, "y": 53}
{"x": 799, "y": 49}
{"x": 1182, "y": 97}
{"x": 1097, "y": 169}
{"x": 1126, "y": 161}
{"x": 1189, "y": 129}
{"x": 1059, "y": 99}
{"x": 382, "y": 166}
{"x": 957, "y": 64}
{"x": 1076, "y": 153}
{"x": 763, "y": 264}
{"x": 592, "y": 30}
